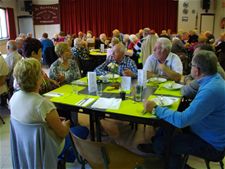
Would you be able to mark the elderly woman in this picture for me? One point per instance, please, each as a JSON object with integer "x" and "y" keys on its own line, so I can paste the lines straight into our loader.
{"x": 32, "y": 49}
{"x": 79, "y": 51}
{"x": 64, "y": 70}
{"x": 28, "y": 74}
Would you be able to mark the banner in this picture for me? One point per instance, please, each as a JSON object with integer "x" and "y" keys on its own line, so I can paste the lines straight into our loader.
{"x": 45, "y": 14}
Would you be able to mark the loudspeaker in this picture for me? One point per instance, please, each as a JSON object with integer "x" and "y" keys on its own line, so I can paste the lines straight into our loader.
{"x": 206, "y": 5}
{"x": 28, "y": 6}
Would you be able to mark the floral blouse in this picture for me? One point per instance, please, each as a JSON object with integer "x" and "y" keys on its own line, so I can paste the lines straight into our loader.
{"x": 71, "y": 73}
{"x": 82, "y": 53}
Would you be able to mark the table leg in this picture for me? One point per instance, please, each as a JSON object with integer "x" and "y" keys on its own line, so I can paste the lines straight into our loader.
{"x": 98, "y": 128}
{"x": 92, "y": 127}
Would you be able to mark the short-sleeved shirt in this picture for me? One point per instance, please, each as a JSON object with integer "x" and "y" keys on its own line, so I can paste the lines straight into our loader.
{"x": 4, "y": 71}
{"x": 30, "y": 107}
{"x": 172, "y": 61}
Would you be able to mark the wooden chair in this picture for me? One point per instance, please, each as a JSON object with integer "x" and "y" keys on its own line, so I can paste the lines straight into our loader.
{"x": 105, "y": 155}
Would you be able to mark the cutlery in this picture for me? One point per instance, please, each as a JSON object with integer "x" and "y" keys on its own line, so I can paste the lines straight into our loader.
{"x": 82, "y": 101}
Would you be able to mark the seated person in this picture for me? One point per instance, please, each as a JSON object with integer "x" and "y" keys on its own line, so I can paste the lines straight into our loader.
{"x": 102, "y": 40}
{"x": 4, "y": 70}
{"x": 163, "y": 62}
{"x": 46, "y": 43}
{"x": 126, "y": 66}
{"x": 28, "y": 106}
{"x": 114, "y": 41}
{"x": 64, "y": 70}
{"x": 32, "y": 49}
{"x": 205, "y": 117}
{"x": 79, "y": 51}
{"x": 191, "y": 87}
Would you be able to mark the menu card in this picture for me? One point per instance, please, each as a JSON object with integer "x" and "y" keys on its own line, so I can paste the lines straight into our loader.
{"x": 102, "y": 47}
{"x": 92, "y": 84}
{"x": 125, "y": 83}
{"x": 142, "y": 77}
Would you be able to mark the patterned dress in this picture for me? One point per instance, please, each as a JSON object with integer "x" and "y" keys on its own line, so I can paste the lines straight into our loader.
{"x": 71, "y": 73}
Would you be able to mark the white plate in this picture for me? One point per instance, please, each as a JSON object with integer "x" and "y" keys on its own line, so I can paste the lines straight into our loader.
{"x": 110, "y": 76}
{"x": 172, "y": 86}
{"x": 164, "y": 101}
{"x": 157, "y": 80}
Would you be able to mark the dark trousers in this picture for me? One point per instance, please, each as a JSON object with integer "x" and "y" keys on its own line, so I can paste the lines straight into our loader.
{"x": 184, "y": 143}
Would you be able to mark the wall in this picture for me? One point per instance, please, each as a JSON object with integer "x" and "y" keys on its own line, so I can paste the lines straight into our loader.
{"x": 50, "y": 29}
{"x": 5, "y": 4}
{"x": 220, "y": 13}
{"x": 194, "y": 13}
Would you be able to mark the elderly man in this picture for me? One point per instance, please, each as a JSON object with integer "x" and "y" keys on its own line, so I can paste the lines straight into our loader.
{"x": 4, "y": 70}
{"x": 205, "y": 116}
{"x": 126, "y": 66}
{"x": 163, "y": 62}
{"x": 12, "y": 55}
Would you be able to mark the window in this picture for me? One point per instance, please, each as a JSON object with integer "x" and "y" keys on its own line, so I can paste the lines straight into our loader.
{"x": 3, "y": 25}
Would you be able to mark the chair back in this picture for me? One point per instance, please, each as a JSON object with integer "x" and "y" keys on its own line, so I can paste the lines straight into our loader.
{"x": 31, "y": 146}
{"x": 50, "y": 55}
{"x": 105, "y": 155}
{"x": 91, "y": 45}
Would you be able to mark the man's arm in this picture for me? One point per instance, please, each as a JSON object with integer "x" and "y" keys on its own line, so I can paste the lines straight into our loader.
{"x": 2, "y": 80}
{"x": 170, "y": 73}
{"x": 102, "y": 69}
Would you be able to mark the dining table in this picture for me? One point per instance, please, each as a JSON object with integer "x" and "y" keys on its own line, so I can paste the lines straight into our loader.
{"x": 129, "y": 109}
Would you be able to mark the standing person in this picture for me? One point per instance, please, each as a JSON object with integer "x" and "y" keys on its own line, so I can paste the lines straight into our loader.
{"x": 64, "y": 70}
{"x": 205, "y": 116}
{"x": 163, "y": 62}
{"x": 28, "y": 106}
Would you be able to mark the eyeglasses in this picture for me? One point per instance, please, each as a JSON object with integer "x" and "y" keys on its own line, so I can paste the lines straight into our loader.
{"x": 192, "y": 65}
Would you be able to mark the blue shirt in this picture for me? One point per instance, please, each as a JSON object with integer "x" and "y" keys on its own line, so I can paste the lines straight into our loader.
{"x": 206, "y": 113}
{"x": 126, "y": 63}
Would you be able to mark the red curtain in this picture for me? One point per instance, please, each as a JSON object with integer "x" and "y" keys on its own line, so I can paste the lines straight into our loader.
{"x": 11, "y": 23}
{"x": 126, "y": 15}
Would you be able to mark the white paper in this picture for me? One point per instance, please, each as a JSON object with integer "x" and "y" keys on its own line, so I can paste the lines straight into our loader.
{"x": 126, "y": 83}
{"x": 142, "y": 77}
{"x": 107, "y": 103}
{"x": 53, "y": 94}
{"x": 92, "y": 84}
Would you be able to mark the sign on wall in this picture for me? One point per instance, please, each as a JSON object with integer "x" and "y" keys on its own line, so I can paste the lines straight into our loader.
{"x": 46, "y": 14}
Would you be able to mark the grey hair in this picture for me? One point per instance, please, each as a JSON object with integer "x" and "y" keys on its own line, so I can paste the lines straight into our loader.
{"x": 206, "y": 61}
{"x": 77, "y": 42}
{"x": 11, "y": 44}
{"x": 121, "y": 47}
{"x": 165, "y": 43}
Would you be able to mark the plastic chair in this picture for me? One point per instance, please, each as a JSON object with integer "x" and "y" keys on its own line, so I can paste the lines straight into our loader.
{"x": 207, "y": 161}
{"x": 106, "y": 155}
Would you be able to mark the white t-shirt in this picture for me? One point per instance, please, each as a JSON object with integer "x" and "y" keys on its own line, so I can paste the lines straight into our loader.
{"x": 172, "y": 61}
{"x": 4, "y": 70}
{"x": 30, "y": 107}
{"x": 11, "y": 59}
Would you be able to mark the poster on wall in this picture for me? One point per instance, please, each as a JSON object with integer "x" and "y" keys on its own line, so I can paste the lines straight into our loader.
{"x": 45, "y": 14}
